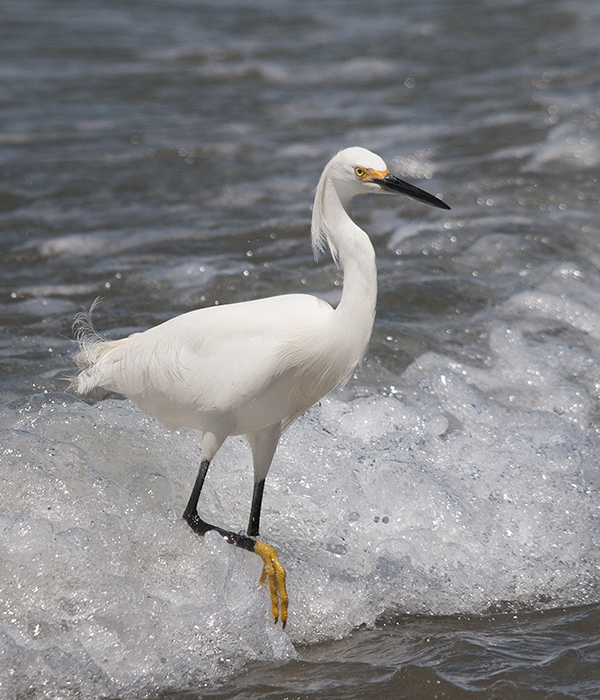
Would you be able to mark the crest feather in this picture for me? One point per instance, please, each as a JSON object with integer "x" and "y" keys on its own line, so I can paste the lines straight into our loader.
{"x": 320, "y": 231}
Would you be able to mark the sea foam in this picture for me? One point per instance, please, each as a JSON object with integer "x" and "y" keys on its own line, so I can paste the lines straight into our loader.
{"x": 461, "y": 489}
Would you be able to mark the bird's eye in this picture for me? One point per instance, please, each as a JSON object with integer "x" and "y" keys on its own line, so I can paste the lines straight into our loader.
{"x": 360, "y": 172}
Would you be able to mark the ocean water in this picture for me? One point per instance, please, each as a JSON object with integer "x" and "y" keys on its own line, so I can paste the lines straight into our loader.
{"x": 439, "y": 516}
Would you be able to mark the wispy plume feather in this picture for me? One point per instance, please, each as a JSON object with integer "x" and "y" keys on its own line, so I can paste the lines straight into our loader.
{"x": 320, "y": 231}
{"x": 88, "y": 339}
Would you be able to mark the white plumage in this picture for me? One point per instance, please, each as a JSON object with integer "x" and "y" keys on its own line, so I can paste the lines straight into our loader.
{"x": 252, "y": 367}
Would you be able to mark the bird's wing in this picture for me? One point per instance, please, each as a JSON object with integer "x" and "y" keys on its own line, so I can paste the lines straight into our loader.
{"x": 211, "y": 359}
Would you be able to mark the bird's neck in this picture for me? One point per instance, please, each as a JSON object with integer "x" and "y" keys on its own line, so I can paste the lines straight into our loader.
{"x": 356, "y": 310}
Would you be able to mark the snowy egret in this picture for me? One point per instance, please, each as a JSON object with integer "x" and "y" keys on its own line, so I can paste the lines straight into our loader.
{"x": 252, "y": 367}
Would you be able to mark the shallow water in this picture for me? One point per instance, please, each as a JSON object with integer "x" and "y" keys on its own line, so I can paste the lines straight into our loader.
{"x": 439, "y": 516}
{"x": 532, "y": 655}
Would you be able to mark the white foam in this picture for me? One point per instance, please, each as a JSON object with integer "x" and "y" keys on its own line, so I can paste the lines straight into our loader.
{"x": 467, "y": 488}
{"x": 97, "y": 567}
{"x": 569, "y": 143}
{"x": 102, "y": 242}
{"x": 39, "y": 307}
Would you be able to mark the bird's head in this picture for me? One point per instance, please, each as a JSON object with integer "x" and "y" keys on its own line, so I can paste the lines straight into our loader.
{"x": 356, "y": 170}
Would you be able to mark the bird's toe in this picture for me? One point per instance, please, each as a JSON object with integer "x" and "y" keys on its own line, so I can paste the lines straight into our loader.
{"x": 273, "y": 573}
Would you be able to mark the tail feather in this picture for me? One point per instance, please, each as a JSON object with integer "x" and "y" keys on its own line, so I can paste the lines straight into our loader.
{"x": 89, "y": 341}
{"x": 92, "y": 347}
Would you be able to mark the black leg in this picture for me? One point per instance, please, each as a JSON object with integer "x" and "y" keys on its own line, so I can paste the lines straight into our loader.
{"x": 273, "y": 572}
{"x": 201, "y": 527}
{"x": 192, "y": 505}
{"x": 257, "y": 497}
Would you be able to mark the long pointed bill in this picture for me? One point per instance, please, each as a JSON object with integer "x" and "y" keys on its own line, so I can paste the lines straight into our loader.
{"x": 391, "y": 183}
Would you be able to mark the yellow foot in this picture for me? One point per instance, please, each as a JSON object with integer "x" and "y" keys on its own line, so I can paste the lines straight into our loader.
{"x": 274, "y": 573}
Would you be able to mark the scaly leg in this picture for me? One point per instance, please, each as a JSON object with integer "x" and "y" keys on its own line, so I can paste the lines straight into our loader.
{"x": 257, "y": 496}
{"x": 273, "y": 571}
{"x": 264, "y": 443}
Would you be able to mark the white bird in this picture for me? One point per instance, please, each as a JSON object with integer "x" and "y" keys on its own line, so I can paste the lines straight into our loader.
{"x": 253, "y": 367}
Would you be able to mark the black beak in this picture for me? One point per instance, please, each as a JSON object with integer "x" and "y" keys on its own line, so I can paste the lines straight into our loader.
{"x": 391, "y": 183}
